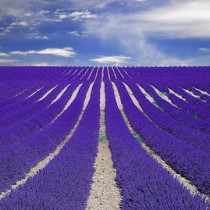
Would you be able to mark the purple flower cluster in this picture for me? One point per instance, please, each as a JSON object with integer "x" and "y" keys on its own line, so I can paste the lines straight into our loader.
{"x": 17, "y": 158}
{"x": 199, "y": 106}
{"x": 168, "y": 124}
{"x": 25, "y": 113}
{"x": 10, "y": 109}
{"x": 37, "y": 122}
{"x": 178, "y": 135}
{"x": 178, "y": 114}
{"x": 65, "y": 183}
{"x": 185, "y": 159}
{"x": 143, "y": 182}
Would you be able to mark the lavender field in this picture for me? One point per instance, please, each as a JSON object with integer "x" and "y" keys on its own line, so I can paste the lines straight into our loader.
{"x": 105, "y": 138}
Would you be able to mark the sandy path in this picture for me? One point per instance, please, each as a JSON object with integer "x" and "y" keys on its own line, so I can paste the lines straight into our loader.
{"x": 164, "y": 97}
{"x": 43, "y": 163}
{"x": 184, "y": 182}
{"x": 120, "y": 72}
{"x": 47, "y": 93}
{"x": 69, "y": 72}
{"x": 126, "y": 72}
{"x": 104, "y": 192}
{"x": 59, "y": 95}
{"x": 202, "y": 91}
{"x": 133, "y": 98}
{"x": 192, "y": 94}
{"x": 90, "y": 74}
{"x": 114, "y": 73}
{"x": 84, "y": 74}
{"x": 34, "y": 93}
{"x": 21, "y": 92}
{"x": 73, "y": 96}
{"x": 177, "y": 95}
{"x": 75, "y": 72}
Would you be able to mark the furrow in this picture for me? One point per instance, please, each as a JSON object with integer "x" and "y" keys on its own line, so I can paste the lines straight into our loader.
{"x": 186, "y": 183}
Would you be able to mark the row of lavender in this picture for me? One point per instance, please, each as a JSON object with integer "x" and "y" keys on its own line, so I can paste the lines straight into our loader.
{"x": 65, "y": 182}
{"x": 159, "y": 136}
{"x": 184, "y": 148}
{"x": 32, "y": 127}
{"x": 38, "y": 126}
{"x": 143, "y": 182}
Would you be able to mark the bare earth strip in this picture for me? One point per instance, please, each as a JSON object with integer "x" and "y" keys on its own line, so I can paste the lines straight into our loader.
{"x": 177, "y": 95}
{"x": 84, "y": 74}
{"x": 120, "y": 72}
{"x": 48, "y": 92}
{"x": 60, "y": 94}
{"x": 104, "y": 191}
{"x": 164, "y": 97}
{"x": 203, "y": 92}
{"x": 43, "y": 163}
{"x": 34, "y": 92}
{"x": 21, "y": 92}
{"x": 192, "y": 94}
{"x": 126, "y": 72}
{"x": 114, "y": 72}
{"x": 184, "y": 182}
{"x": 74, "y": 94}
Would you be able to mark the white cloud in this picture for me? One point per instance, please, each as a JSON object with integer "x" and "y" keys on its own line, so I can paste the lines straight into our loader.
{"x": 41, "y": 37}
{"x": 175, "y": 19}
{"x": 74, "y": 33}
{"x": 21, "y": 23}
{"x": 6, "y": 61}
{"x": 182, "y": 19}
{"x": 36, "y": 36}
{"x": 78, "y": 15}
{"x": 116, "y": 60}
{"x": 41, "y": 64}
{"x": 204, "y": 49}
{"x": 4, "y": 55}
{"x": 63, "y": 52}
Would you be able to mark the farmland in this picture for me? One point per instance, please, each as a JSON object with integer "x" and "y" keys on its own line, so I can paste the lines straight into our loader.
{"x": 59, "y": 124}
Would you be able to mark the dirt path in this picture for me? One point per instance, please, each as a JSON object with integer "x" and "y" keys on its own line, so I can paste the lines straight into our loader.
{"x": 184, "y": 182}
{"x": 43, "y": 163}
{"x": 104, "y": 191}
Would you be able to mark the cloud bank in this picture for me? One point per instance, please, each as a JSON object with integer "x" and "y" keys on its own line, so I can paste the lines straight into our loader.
{"x": 63, "y": 52}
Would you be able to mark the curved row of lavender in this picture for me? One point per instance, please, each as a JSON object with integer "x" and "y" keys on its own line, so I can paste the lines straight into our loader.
{"x": 64, "y": 183}
{"x": 143, "y": 183}
{"x": 34, "y": 121}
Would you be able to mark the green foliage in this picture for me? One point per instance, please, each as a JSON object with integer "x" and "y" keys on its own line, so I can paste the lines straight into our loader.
{"x": 163, "y": 93}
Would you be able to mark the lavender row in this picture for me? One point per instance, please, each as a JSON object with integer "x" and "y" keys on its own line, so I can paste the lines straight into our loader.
{"x": 189, "y": 108}
{"x": 65, "y": 182}
{"x": 7, "y": 93}
{"x": 199, "y": 106}
{"x": 168, "y": 124}
{"x": 37, "y": 122}
{"x": 17, "y": 158}
{"x": 25, "y": 113}
{"x": 178, "y": 114}
{"x": 197, "y": 93}
{"x": 185, "y": 159}
{"x": 31, "y": 73}
{"x": 174, "y": 75}
{"x": 40, "y": 74}
{"x": 188, "y": 97}
{"x": 20, "y": 96}
{"x": 138, "y": 174}
{"x": 26, "y": 102}
{"x": 10, "y": 100}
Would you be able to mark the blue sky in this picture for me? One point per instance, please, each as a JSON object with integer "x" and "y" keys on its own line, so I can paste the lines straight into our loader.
{"x": 109, "y": 32}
